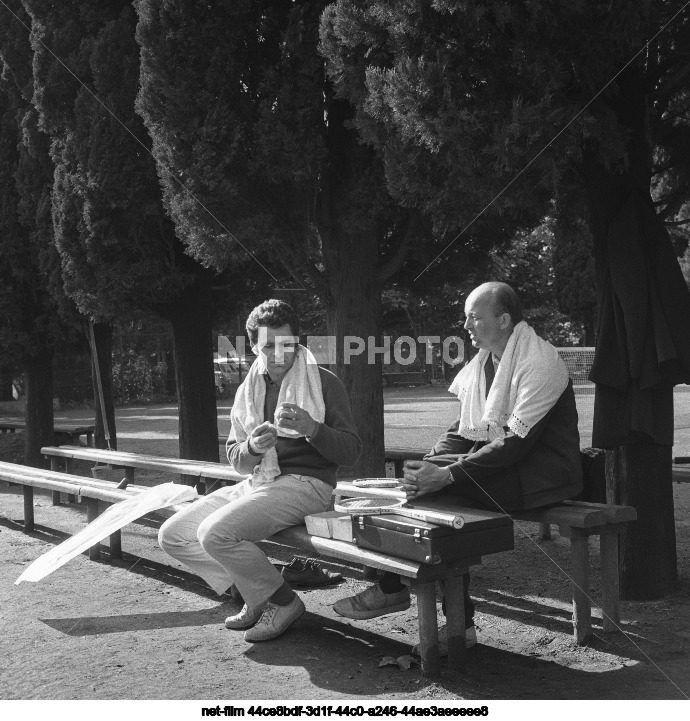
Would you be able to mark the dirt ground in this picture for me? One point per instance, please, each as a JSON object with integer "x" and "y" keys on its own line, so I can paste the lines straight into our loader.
{"x": 144, "y": 628}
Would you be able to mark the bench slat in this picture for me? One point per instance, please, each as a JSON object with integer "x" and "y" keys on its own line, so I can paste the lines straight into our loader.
{"x": 297, "y": 537}
{"x": 404, "y": 454}
{"x": 613, "y": 514}
{"x": 123, "y": 459}
{"x": 681, "y": 474}
{"x": 563, "y": 516}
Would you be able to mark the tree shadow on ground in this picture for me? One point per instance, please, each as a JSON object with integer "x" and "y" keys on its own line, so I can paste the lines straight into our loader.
{"x": 490, "y": 673}
{"x": 128, "y": 622}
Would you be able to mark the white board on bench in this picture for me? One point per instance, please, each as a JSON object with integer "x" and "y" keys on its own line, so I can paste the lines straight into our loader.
{"x": 112, "y": 519}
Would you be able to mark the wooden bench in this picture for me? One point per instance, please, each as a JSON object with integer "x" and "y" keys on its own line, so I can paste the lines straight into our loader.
{"x": 680, "y": 473}
{"x": 204, "y": 472}
{"x": 576, "y": 521}
{"x": 421, "y": 577}
{"x": 406, "y": 378}
{"x": 92, "y": 491}
{"x": 72, "y": 434}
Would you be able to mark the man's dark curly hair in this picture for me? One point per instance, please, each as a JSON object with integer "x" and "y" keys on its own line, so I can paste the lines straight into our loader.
{"x": 271, "y": 313}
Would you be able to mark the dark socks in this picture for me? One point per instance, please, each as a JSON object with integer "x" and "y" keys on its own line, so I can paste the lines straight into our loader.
{"x": 283, "y": 596}
{"x": 391, "y": 583}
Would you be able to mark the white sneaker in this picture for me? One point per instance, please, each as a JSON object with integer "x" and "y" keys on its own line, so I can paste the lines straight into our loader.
{"x": 470, "y": 640}
{"x": 275, "y": 620}
{"x": 245, "y": 618}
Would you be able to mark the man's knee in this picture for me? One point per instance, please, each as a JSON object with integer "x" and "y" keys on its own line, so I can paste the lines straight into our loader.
{"x": 169, "y": 535}
{"x": 213, "y": 535}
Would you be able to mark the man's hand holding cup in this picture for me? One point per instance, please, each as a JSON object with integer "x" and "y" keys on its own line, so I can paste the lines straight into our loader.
{"x": 291, "y": 417}
{"x": 262, "y": 438}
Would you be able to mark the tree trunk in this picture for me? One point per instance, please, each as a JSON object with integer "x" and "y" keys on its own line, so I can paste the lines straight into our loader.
{"x": 103, "y": 336}
{"x": 638, "y": 471}
{"x": 353, "y": 316}
{"x": 640, "y": 476}
{"x": 6, "y": 384}
{"x": 193, "y": 335}
{"x": 38, "y": 388}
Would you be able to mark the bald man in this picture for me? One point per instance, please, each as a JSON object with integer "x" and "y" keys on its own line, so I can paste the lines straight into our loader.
{"x": 514, "y": 445}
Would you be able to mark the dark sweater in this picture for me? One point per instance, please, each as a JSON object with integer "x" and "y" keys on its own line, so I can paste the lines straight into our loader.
{"x": 334, "y": 443}
{"x": 546, "y": 461}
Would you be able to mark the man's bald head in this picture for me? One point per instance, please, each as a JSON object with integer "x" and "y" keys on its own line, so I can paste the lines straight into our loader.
{"x": 492, "y": 310}
{"x": 503, "y": 299}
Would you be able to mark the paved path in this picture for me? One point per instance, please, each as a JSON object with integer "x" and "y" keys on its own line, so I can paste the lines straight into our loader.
{"x": 414, "y": 417}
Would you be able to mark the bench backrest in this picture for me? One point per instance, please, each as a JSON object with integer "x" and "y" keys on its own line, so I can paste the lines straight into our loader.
{"x": 123, "y": 459}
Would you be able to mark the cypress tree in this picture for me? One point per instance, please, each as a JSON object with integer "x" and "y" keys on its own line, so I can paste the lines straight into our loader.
{"x": 241, "y": 113}
{"x": 119, "y": 249}
{"x": 461, "y": 96}
{"x": 35, "y": 315}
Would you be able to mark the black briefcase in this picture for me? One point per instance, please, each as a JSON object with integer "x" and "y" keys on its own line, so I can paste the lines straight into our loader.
{"x": 483, "y": 532}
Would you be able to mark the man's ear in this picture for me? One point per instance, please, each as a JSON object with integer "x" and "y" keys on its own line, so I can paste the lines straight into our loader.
{"x": 505, "y": 320}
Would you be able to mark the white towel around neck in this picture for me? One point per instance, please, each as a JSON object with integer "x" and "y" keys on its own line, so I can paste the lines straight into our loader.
{"x": 301, "y": 385}
{"x": 530, "y": 378}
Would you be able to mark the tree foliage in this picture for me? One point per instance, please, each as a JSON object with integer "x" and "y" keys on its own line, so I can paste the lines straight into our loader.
{"x": 244, "y": 119}
{"x": 459, "y": 97}
{"x": 118, "y": 248}
{"x": 34, "y": 313}
{"x": 467, "y": 97}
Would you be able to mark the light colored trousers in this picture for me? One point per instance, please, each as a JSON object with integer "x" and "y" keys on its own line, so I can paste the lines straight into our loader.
{"x": 216, "y": 536}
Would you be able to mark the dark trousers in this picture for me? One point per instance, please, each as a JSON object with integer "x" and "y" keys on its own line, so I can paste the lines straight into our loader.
{"x": 504, "y": 494}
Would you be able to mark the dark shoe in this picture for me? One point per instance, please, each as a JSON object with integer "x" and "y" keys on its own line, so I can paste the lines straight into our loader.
{"x": 307, "y": 572}
{"x": 372, "y": 602}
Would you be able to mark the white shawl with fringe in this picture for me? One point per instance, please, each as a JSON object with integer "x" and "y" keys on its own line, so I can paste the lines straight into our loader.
{"x": 529, "y": 380}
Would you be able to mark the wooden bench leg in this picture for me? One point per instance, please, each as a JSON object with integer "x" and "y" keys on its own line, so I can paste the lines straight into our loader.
{"x": 211, "y": 485}
{"x": 369, "y": 573}
{"x": 129, "y": 478}
{"x": 454, "y": 589}
{"x": 582, "y": 606}
{"x": 28, "y": 509}
{"x": 545, "y": 531}
{"x": 428, "y": 628}
{"x": 609, "y": 580}
{"x": 69, "y": 465}
{"x": 116, "y": 545}
{"x": 92, "y": 513}
{"x": 55, "y": 466}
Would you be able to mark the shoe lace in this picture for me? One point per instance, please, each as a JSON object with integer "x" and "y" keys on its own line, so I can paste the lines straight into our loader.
{"x": 268, "y": 613}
